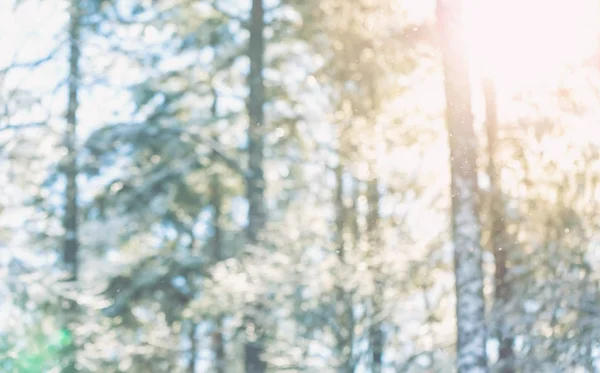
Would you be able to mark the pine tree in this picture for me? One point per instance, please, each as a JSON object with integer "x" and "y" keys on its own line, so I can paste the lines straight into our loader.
{"x": 71, "y": 241}
{"x": 255, "y": 181}
{"x": 466, "y": 227}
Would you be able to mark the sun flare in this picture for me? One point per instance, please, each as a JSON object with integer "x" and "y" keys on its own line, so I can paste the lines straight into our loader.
{"x": 526, "y": 41}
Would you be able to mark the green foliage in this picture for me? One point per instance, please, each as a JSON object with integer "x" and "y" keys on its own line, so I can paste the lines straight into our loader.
{"x": 36, "y": 352}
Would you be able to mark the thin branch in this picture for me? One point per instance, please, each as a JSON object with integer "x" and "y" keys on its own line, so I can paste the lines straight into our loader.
{"x": 16, "y": 127}
{"x": 215, "y": 147}
{"x": 32, "y": 64}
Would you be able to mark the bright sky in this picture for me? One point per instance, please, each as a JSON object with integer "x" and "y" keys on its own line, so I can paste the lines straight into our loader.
{"x": 528, "y": 41}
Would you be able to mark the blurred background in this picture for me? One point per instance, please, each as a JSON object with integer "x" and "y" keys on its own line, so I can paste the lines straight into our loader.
{"x": 258, "y": 186}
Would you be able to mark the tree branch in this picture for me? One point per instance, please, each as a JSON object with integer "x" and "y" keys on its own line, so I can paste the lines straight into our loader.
{"x": 32, "y": 64}
{"x": 125, "y": 289}
{"x": 220, "y": 152}
{"x": 20, "y": 126}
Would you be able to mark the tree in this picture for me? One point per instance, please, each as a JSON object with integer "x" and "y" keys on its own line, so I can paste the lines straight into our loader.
{"x": 499, "y": 238}
{"x": 255, "y": 181}
{"x": 216, "y": 201}
{"x": 466, "y": 227}
{"x": 71, "y": 241}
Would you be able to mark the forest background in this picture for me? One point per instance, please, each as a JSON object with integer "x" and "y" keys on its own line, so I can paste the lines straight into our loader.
{"x": 299, "y": 186}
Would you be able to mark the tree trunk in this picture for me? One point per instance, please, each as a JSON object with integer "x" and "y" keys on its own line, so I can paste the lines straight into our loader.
{"x": 340, "y": 212}
{"x": 498, "y": 239}
{"x": 71, "y": 243}
{"x": 216, "y": 202}
{"x": 255, "y": 183}
{"x": 191, "y": 367}
{"x": 376, "y": 329}
{"x": 466, "y": 227}
{"x": 216, "y": 199}
{"x": 376, "y": 335}
{"x": 218, "y": 347}
{"x": 343, "y": 305}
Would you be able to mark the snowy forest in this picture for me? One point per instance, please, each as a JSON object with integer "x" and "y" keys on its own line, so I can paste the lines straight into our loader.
{"x": 320, "y": 186}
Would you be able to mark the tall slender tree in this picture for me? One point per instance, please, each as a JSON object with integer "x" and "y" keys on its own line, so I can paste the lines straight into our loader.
{"x": 70, "y": 222}
{"x": 498, "y": 235}
{"x": 376, "y": 337}
{"x": 466, "y": 227}
{"x": 216, "y": 202}
{"x": 375, "y": 242}
{"x": 344, "y": 336}
{"x": 255, "y": 181}
{"x": 217, "y": 245}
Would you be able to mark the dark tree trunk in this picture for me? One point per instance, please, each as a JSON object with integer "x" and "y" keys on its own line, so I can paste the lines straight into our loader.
{"x": 191, "y": 367}
{"x": 376, "y": 328}
{"x": 71, "y": 243}
{"x": 216, "y": 200}
{"x": 255, "y": 183}
{"x": 498, "y": 238}
{"x": 218, "y": 347}
{"x": 466, "y": 227}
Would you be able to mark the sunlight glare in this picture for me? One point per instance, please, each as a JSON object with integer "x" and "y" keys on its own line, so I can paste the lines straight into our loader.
{"x": 527, "y": 41}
